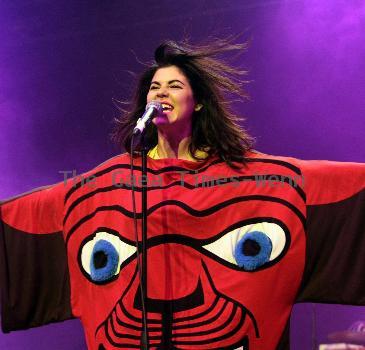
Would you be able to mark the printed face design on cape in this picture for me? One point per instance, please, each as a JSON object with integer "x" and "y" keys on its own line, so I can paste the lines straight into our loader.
{"x": 226, "y": 251}
{"x": 222, "y": 267}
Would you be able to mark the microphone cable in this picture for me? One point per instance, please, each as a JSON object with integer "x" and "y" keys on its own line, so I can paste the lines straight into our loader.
{"x": 144, "y": 339}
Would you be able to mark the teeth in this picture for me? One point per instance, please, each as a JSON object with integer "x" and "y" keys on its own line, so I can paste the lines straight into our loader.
{"x": 166, "y": 106}
{"x": 240, "y": 348}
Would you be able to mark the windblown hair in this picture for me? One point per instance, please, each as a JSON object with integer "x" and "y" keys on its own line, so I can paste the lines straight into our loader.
{"x": 215, "y": 128}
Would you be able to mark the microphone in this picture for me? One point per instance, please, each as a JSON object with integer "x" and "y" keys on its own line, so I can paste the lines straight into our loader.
{"x": 153, "y": 108}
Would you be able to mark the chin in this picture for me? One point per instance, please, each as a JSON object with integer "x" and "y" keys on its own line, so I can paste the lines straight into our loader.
{"x": 162, "y": 121}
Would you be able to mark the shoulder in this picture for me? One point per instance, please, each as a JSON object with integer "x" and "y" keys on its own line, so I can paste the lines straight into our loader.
{"x": 123, "y": 158}
{"x": 324, "y": 180}
{"x": 312, "y": 165}
{"x": 116, "y": 162}
{"x": 264, "y": 160}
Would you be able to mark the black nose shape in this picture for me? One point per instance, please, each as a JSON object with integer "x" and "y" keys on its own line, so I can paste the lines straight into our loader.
{"x": 195, "y": 299}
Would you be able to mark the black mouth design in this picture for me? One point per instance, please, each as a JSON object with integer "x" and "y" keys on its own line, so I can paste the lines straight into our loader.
{"x": 205, "y": 319}
{"x": 243, "y": 345}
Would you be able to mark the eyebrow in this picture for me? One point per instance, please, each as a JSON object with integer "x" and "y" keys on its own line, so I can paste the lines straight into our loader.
{"x": 170, "y": 82}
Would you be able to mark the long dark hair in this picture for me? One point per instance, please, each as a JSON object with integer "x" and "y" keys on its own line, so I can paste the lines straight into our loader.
{"x": 215, "y": 128}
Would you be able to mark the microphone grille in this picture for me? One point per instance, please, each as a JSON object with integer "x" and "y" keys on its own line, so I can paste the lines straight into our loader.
{"x": 155, "y": 104}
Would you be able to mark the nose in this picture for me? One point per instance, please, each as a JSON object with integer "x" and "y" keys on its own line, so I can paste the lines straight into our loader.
{"x": 173, "y": 271}
{"x": 162, "y": 92}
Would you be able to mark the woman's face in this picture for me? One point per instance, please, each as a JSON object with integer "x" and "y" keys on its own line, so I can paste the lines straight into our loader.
{"x": 172, "y": 88}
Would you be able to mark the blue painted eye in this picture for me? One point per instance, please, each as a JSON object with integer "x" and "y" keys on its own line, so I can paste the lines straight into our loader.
{"x": 104, "y": 261}
{"x": 253, "y": 250}
{"x": 102, "y": 255}
{"x": 251, "y": 247}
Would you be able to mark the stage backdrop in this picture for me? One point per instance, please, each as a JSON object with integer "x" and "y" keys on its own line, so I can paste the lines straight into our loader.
{"x": 62, "y": 64}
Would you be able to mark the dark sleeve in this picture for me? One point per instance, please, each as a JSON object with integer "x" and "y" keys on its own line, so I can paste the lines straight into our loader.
{"x": 34, "y": 279}
{"x": 335, "y": 252}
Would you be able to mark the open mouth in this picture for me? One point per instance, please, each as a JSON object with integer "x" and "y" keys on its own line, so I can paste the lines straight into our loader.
{"x": 166, "y": 107}
{"x": 245, "y": 345}
{"x": 218, "y": 322}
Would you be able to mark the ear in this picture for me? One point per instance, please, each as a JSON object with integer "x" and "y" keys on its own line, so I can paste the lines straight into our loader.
{"x": 198, "y": 107}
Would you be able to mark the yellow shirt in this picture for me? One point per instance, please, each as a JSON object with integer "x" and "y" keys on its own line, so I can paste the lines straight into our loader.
{"x": 152, "y": 153}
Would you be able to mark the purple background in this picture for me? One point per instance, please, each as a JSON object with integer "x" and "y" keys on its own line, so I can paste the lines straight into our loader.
{"x": 61, "y": 65}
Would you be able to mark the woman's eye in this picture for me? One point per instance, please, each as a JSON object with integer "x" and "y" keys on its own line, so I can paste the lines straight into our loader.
{"x": 176, "y": 86}
{"x": 102, "y": 255}
{"x": 153, "y": 87}
{"x": 252, "y": 247}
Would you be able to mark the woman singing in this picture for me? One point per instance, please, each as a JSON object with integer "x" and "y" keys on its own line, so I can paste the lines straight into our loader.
{"x": 235, "y": 237}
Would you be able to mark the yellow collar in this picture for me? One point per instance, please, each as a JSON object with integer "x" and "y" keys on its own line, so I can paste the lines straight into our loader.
{"x": 152, "y": 153}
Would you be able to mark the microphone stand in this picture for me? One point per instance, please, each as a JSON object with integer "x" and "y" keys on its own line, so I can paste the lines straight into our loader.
{"x": 152, "y": 109}
{"x": 144, "y": 183}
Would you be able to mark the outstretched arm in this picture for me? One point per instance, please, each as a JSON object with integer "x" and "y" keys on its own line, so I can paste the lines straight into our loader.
{"x": 335, "y": 253}
{"x": 34, "y": 278}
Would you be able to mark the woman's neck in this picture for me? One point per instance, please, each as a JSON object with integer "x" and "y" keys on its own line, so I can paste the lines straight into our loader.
{"x": 173, "y": 146}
